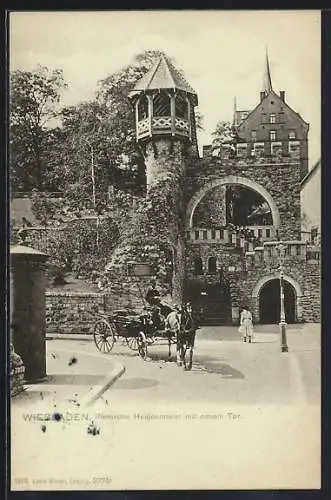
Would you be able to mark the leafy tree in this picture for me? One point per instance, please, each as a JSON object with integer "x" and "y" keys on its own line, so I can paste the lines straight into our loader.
{"x": 99, "y": 140}
{"x": 224, "y": 138}
{"x": 45, "y": 208}
{"x": 34, "y": 99}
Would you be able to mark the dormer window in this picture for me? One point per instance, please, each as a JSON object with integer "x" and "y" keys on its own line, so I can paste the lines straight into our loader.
{"x": 272, "y": 135}
{"x": 291, "y": 135}
{"x": 272, "y": 118}
{"x": 253, "y": 135}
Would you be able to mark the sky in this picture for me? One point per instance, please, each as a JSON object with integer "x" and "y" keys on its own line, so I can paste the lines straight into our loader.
{"x": 222, "y": 54}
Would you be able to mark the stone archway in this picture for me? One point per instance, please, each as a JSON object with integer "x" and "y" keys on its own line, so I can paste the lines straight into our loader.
{"x": 290, "y": 283}
{"x": 231, "y": 179}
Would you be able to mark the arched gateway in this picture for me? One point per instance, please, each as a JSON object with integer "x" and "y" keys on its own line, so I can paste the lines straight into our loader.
{"x": 266, "y": 294}
{"x": 236, "y": 180}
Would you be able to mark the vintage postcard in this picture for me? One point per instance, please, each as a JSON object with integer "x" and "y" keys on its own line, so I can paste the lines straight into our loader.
{"x": 165, "y": 247}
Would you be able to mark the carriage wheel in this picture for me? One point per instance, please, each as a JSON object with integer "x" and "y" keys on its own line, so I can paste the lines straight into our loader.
{"x": 104, "y": 336}
{"x": 132, "y": 343}
{"x": 142, "y": 345}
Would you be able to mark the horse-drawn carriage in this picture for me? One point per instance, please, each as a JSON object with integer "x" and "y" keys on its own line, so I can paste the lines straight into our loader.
{"x": 139, "y": 330}
{"x": 156, "y": 324}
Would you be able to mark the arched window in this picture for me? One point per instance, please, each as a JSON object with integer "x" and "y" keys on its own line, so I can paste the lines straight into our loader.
{"x": 181, "y": 107}
{"x": 198, "y": 265}
{"x": 143, "y": 108}
{"x": 212, "y": 265}
{"x": 161, "y": 104}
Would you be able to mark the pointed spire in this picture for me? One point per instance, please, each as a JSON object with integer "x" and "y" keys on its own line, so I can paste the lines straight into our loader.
{"x": 234, "y": 122}
{"x": 267, "y": 85}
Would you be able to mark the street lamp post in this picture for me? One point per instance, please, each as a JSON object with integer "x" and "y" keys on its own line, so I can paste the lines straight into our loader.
{"x": 282, "y": 324}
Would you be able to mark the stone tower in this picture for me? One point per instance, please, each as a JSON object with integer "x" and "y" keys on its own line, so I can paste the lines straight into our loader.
{"x": 165, "y": 129}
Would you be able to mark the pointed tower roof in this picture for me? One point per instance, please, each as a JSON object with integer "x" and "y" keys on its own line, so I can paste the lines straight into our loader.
{"x": 267, "y": 85}
{"x": 163, "y": 75}
{"x": 234, "y": 121}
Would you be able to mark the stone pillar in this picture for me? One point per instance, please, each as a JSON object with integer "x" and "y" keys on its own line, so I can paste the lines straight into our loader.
{"x": 28, "y": 318}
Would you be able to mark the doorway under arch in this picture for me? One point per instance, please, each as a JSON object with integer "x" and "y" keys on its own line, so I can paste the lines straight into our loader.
{"x": 269, "y": 302}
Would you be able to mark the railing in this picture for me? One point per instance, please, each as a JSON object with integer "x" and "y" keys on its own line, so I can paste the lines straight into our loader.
{"x": 162, "y": 124}
{"x": 295, "y": 250}
{"x": 143, "y": 127}
{"x": 230, "y": 236}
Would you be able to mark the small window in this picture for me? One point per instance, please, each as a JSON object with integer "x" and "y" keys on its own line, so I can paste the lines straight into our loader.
{"x": 313, "y": 234}
{"x": 213, "y": 234}
{"x": 294, "y": 149}
{"x": 267, "y": 233}
{"x": 258, "y": 149}
{"x": 212, "y": 265}
{"x": 242, "y": 149}
{"x": 188, "y": 235}
{"x": 272, "y": 135}
{"x": 276, "y": 148}
{"x": 204, "y": 235}
{"x": 297, "y": 250}
{"x": 259, "y": 232}
{"x": 196, "y": 235}
{"x": 222, "y": 234}
{"x": 272, "y": 118}
{"x": 198, "y": 265}
{"x": 291, "y": 134}
{"x": 253, "y": 135}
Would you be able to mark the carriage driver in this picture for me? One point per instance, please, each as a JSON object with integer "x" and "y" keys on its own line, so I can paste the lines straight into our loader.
{"x": 153, "y": 295}
{"x": 160, "y": 309}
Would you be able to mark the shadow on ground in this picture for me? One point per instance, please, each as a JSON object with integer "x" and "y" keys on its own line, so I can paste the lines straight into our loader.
{"x": 202, "y": 363}
{"x": 136, "y": 383}
{"x": 209, "y": 364}
{"x": 78, "y": 379}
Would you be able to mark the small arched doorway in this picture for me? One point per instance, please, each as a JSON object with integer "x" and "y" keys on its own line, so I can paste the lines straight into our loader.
{"x": 198, "y": 266}
{"x": 269, "y": 302}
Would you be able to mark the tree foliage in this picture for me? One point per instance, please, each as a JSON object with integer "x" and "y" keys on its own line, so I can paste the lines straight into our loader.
{"x": 34, "y": 100}
{"x": 224, "y": 138}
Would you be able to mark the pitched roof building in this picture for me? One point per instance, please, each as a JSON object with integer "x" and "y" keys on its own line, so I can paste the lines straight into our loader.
{"x": 272, "y": 128}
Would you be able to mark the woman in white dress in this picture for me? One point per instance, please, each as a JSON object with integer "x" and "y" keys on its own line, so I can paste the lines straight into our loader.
{"x": 246, "y": 324}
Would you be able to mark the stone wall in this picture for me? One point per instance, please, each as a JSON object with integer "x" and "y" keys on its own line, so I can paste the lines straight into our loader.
{"x": 212, "y": 209}
{"x": 76, "y": 313}
{"x": 304, "y": 274}
{"x": 158, "y": 228}
{"x": 243, "y": 276}
{"x": 73, "y": 312}
{"x": 17, "y": 371}
{"x": 280, "y": 180}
